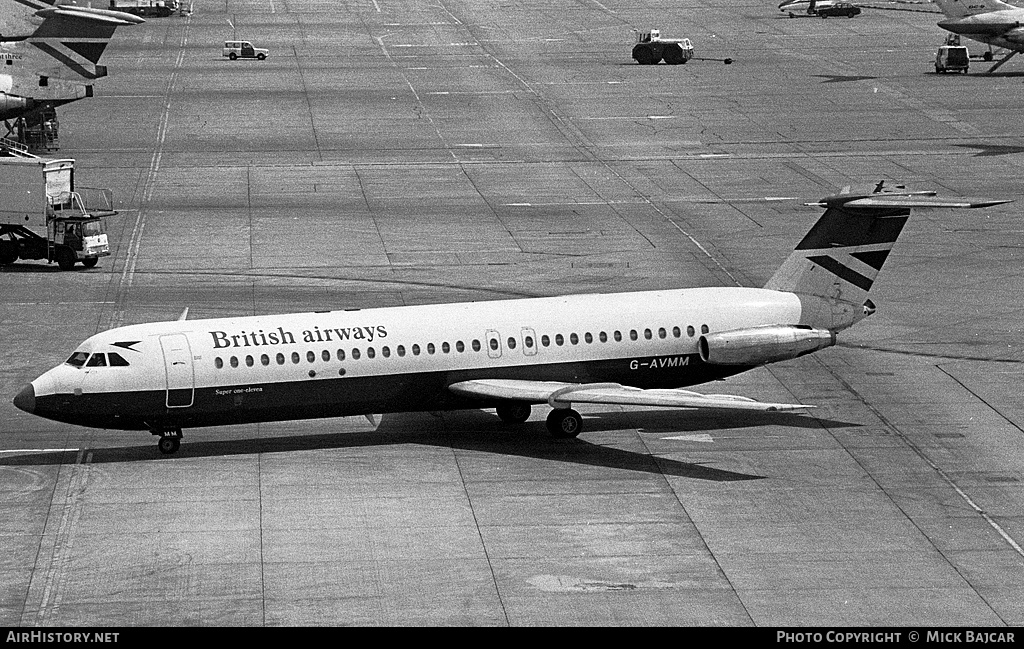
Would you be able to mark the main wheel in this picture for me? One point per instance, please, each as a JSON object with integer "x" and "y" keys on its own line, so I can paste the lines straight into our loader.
{"x": 514, "y": 413}
{"x": 169, "y": 444}
{"x": 90, "y": 262}
{"x": 564, "y": 423}
{"x": 64, "y": 258}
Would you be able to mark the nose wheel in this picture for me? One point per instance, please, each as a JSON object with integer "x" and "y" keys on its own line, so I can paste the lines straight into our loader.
{"x": 169, "y": 442}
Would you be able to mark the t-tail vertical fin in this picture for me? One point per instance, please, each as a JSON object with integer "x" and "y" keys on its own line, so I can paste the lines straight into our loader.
{"x": 75, "y": 37}
{"x": 840, "y": 257}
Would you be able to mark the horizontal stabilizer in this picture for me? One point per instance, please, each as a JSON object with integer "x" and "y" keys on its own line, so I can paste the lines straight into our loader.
{"x": 883, "y": 201}
{"x": 107, "y": 16}
{"x": 561, "y": 395}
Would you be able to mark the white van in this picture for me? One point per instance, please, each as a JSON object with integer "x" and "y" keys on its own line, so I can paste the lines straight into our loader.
{"x": 243, "y": 50}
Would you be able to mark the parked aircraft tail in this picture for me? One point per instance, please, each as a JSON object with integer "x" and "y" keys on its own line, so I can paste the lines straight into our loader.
{"x": 75, "y": 37}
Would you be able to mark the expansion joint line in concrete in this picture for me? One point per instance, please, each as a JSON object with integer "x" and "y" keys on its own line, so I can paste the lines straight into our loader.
{"x": 963, "y": 495}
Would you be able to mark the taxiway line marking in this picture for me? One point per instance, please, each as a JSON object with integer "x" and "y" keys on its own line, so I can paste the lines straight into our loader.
{"x": 37, "y": 450}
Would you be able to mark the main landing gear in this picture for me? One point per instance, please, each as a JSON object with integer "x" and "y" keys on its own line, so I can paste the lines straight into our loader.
{"x": 170, "y": 440}
{"x": 563, "y": 423}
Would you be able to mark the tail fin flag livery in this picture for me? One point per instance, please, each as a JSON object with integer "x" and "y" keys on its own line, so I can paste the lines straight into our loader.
{"x": 840, "y": 257}
{"x": 74, "y": 39}
{"x": 638, "y": 348}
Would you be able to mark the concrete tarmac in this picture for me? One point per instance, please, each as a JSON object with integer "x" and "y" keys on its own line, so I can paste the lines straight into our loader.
{"x": 403, "y": 152}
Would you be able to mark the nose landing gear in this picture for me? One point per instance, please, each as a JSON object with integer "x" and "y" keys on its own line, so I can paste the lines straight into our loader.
{"x": 170, "y": 439}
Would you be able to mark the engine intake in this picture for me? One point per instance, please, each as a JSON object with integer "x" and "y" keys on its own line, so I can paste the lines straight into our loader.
{"x": 759, "y": 345}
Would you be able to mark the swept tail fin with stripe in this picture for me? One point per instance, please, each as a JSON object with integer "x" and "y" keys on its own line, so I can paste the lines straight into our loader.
{"x": 835, "y": 265}
{"x": 73, "y": 39}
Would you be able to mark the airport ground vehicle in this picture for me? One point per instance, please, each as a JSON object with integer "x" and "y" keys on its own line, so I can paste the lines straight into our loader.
{"x": 826, "y": 9}
{"x": 40, "y": 196}
{"x": 243, "y": 50}
{"x": 38, "y": 131}
{"x": 145, "y": 7}
{"x": 952, "y": 58}
{"x": 651, "y": 48}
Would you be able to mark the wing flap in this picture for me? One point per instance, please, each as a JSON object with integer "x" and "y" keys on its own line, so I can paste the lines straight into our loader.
{"x": 561, "y": 395}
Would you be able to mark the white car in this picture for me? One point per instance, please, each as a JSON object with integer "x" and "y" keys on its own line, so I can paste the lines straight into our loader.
{"x": 243, "y": 50}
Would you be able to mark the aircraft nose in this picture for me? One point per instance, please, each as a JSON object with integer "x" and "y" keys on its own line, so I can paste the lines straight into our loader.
{"x": 26, "y": 399}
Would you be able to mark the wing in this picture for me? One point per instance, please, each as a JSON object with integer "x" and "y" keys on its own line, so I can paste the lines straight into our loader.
{"x": 561, "y": 395}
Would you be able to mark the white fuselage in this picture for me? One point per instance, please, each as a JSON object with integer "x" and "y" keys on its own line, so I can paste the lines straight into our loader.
{"x": 264, "y": 368}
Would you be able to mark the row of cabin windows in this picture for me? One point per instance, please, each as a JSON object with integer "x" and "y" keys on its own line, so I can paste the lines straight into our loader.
{"x": 460, "y": 347}
{"x": 84, "y": 359}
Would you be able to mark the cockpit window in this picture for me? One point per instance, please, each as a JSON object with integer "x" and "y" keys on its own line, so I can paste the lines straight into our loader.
{"x": 116, "y": 360}
{"x": 78, "y": 359}
{"x": 97, "y": 360}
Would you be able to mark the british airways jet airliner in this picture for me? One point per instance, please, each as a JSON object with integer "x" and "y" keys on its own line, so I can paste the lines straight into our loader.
{"x": 635, "y": 348}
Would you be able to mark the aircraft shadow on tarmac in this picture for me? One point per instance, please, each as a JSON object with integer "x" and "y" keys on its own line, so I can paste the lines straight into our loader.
{"x": 471, "y": 431}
